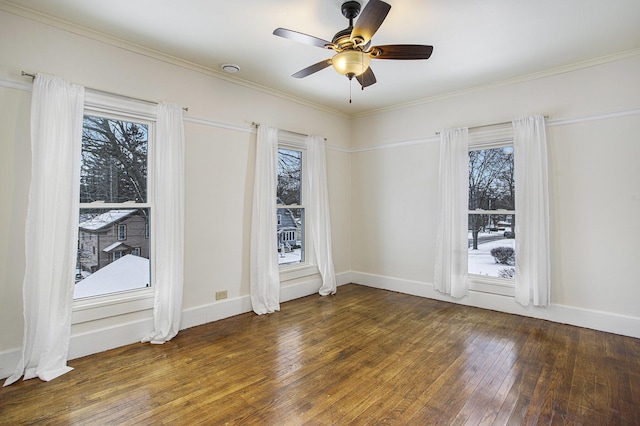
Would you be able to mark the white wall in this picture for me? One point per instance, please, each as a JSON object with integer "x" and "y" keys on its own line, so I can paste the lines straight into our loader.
{"x": 595, "y": 191}
{"x": 382, "y": 177}
{"x": 219, "y": 173}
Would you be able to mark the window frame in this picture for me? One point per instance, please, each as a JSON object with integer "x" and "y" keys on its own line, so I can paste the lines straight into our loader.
{"x": 122, "y": 231}
{"x": 309, "y": 266}
{"x": 119, "y": 303}
{"x": 480, "y": 140}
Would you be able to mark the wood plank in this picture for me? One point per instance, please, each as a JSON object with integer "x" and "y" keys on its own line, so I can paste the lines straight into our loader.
{"x": 364, "y": 356}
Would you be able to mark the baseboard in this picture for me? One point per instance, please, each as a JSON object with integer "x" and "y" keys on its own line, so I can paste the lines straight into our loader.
{"x": 94, "y": 341}
{"x": 596, "y": 320}
{"x": 239, "y": 305}
{"x": 8, "y": 361}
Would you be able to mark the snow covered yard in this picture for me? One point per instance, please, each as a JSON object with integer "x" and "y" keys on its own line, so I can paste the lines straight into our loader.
{"x": 482, "y": 263}
{"x": 293, "y": 256}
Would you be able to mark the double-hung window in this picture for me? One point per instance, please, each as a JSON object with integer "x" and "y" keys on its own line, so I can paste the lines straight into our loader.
{"x": 122, "y": 231}
{"x": 290, "y": 204}
{"x": 114, "y": 261}
{"x": 491, "y": 217}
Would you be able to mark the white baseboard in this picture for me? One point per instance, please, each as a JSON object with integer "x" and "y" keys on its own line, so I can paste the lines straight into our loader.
{"x": 239, "y": 305}
{"x": 94, "y": 341}
{"x": 596, "y": 320}
{"x": 8, "y": 361}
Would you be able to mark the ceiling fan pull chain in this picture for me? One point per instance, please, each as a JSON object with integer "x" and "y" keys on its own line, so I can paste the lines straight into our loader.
{"x": 350, "y": 86}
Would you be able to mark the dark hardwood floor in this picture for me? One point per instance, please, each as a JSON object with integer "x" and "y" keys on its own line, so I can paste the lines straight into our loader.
{"x": 364, "y": 356}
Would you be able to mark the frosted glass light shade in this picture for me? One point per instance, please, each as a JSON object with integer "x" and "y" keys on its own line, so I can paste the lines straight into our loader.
{"x": 351, "y": 62}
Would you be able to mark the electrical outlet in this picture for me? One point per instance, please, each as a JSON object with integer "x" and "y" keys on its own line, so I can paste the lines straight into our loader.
{"x": 221, "y": 294}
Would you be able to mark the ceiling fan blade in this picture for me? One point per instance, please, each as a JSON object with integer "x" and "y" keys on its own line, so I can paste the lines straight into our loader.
{"x": 312, "y": 68}
{"x": 401, "y": 51}
{"x": 302, "y": 38}
{"x": 370, "y": 20}
{"x": 367, "y": 78}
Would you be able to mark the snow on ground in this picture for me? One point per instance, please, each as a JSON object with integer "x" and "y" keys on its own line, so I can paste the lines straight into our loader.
{"x": 482, "y": 263}
{"x": 291, "y": 257}
{"x": 127, "y": 273}
{"x": 132, "y": 272}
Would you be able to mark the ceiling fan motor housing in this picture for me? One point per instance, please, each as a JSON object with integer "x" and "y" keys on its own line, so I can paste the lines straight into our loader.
{"x": 350, "y": 10}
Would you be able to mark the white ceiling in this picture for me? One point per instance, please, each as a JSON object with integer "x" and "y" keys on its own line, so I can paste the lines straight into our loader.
{"x": 475, "y": 42}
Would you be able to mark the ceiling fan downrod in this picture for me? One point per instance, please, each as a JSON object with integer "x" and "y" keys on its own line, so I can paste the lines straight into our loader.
{"x": 350, "y": 10}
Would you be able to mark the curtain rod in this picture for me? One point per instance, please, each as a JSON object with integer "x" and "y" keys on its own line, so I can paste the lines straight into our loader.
{"x": 256, "y": 125}
{"x": 26, "y": 74}
{"x": 546, "y": 116}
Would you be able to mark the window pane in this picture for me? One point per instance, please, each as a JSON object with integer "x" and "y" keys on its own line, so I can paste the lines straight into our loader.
{"x": 492, "y": 245}
{"x": 105, "y": 262}
{"x": 114, "y": 161}
{"x": 291, "y": 236}
{"x": 289, "y": 191}
{"x": 491, "y": 179}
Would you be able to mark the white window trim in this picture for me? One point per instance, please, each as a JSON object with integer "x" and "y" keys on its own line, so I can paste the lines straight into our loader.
{"x": 309, "y": 267}
{"x": 487, "y": 139}
{"x": 120, "y": 303}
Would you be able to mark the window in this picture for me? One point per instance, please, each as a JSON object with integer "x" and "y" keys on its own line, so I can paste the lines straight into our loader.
{"x": 492, "y": 217}
{"x": 122, "y": 232}
{"x": 115, "y": 207}
{"x": 290, "y": 205}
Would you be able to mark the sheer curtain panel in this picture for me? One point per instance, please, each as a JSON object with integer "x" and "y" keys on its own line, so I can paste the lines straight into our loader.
{"x": 318, "y": 211}
{"x": 169, "y": 227}
{"x": 450, "y": 276}
{"x": 264, "y": 269}
{"x": 51, "y": 235}
{"x": 532, "y": 280}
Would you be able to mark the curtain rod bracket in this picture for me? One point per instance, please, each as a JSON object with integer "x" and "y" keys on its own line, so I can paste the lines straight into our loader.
{"x": 33, "y": 76}
{"x": 256, "y": 125}
{"x": 546, "y": 117}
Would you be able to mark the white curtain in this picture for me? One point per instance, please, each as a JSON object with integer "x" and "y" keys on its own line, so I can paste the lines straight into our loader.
{"x": 318, "y": 222}
{"x": 264, "y": 270}
{"x": 51, "y": 227}
{"x": 168, "y": 154}
{"x": 532, "y": 280}
{"x": 450, "y": 276}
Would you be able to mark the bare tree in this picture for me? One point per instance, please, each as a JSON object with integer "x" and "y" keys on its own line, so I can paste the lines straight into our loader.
{"x": 114, "y": 161}
{"x": 491, "y": 185}
{"x": 289, "y": 190}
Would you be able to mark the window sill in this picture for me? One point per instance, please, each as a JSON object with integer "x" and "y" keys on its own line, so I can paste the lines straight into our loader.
{"x": 288, "y": 273}
{"x": 95, "y": 308}
{"x": 501, "y": 286}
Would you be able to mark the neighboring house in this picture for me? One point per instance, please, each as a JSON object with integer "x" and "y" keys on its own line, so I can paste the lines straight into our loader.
{"x": 288, "y": 230}
{"x": 111, "y": 235}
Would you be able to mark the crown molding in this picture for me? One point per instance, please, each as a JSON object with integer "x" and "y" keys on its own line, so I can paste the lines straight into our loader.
{"x": 507, "y": 82}
{"x": 158, "y": 55}
{"x": 154, "y": 54}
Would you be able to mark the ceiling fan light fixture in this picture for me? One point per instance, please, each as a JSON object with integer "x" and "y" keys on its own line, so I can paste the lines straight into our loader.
{"x": 351, "y": 62}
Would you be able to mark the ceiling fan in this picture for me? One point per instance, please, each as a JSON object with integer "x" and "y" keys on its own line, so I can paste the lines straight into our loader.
{"x": 353, "y": 44}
